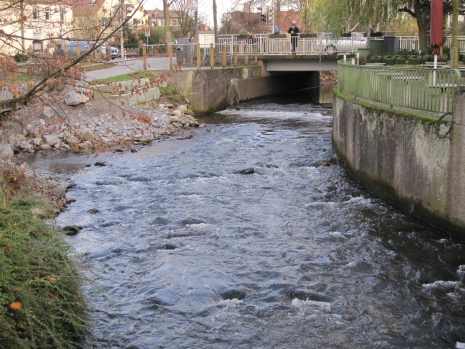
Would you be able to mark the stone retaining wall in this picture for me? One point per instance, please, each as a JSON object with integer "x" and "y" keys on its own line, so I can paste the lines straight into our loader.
{"x": 401, "y": 158}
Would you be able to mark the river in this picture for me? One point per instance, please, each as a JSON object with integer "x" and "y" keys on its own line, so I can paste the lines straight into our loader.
{"x": 235, "y": 239}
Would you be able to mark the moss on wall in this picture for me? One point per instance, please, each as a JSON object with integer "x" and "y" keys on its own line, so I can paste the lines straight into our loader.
{"x": 398, "y": 156}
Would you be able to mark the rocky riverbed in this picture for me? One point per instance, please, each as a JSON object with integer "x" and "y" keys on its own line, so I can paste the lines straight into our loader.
{"x": 91, "y": 127}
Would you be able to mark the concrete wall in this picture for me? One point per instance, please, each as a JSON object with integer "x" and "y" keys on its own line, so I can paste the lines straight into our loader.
{"x": 400, "y": 157}
{"x": 215, "y": 89}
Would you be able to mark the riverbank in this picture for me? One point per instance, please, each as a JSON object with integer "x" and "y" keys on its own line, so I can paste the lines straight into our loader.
{"x": 90, "y": 128}
{"x": 41, "y": 302}
{"x": 40, "y": 294}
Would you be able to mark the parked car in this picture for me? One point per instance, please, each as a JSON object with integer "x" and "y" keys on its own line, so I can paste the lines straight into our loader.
{"x": 71, "y": 47}
{"x": 114, "y": 51}
{"x": 85, "y": 46}
{"x": 347, "y": 43}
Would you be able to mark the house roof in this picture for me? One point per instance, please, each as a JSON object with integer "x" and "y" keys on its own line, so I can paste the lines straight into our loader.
{"x": 82, "y": 7}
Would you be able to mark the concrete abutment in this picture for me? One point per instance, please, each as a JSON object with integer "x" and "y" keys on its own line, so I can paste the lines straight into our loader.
{"x": 215, "y": 89}
{"x": 400, "y": 157}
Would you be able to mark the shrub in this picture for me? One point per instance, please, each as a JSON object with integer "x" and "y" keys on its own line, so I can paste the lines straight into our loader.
{"x": 406, "y": 53}
{"x": 415, "y": 59}
{"x": 374, "y": 59}
{"x": 389, "y": 60}
{"x": 428, "y": 58}
{"x": 444, "y": 58}
{"x": 41, "y": 303}
{"x": 400, "y": 60}
{"x": 20, "y": 57}
{"x": 170, "y": 93}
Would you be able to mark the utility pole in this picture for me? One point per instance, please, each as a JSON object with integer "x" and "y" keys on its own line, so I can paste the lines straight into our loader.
{"x": 196, "y": 22}
{"x": 215, "y": 21}
{"x": 121, "y": 32}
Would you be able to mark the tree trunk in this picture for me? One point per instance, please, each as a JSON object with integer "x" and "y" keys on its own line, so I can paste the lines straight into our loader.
{"x": 421, "y": 26}
{"x": 166, "y": 15}
{"x": 277, "y": 13}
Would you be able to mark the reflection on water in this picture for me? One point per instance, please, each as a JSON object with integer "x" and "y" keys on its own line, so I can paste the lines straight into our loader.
{"x": 188, "y": 251}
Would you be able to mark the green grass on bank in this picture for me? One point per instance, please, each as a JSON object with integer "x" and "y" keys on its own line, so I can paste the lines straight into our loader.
{"x": 126, "y": 77}
{"x": 41, "y": 304}
{"x": 117, "y": 78}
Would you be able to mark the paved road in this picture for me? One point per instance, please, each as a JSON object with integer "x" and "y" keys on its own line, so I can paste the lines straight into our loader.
{"x": 122, "y": 67}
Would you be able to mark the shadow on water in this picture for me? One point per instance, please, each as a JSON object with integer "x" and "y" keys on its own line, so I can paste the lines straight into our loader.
{"x": 318, "y": 99}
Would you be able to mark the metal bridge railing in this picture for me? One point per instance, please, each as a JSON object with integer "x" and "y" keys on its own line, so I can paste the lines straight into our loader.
{"x": 230, "y": 51}
{"x": 426, "y": 90}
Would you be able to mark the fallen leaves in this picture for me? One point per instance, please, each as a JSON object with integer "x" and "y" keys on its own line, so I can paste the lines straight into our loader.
{"x": 16, "y": 305}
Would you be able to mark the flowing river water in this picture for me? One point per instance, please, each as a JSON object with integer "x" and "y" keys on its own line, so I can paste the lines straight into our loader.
{"x": 235, "y": 239}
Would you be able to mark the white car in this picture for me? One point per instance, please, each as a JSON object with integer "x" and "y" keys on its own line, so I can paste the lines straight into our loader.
{"x": 114, "y": 51}
{"x": 330, "y": 45}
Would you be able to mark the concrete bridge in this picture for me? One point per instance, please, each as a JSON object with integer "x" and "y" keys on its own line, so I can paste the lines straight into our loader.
{"x": 300, "y": 63}
{"x": 311, "y": 54}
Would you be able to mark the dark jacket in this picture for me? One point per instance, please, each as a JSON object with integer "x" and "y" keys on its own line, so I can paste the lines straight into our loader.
{"x": 295, "y": 30}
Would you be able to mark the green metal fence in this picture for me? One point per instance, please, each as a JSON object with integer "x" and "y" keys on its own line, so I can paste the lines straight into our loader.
{"x": 426, "y": 90}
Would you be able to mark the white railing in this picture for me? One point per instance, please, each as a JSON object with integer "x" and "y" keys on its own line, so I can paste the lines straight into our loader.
{"x": 282, "y": 46}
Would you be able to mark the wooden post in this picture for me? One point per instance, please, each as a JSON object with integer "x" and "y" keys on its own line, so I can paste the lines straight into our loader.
{"x": 14, "y": 80}
{"x": 256, "y": 53}
{"x": 170, "y": 55}
{"x": 212, "y": 56}
{"x": 144, "y": 56}
{"x": 235, "y": 55}
{"x": 198, "y": 54}
{"x": 224, "y": 55}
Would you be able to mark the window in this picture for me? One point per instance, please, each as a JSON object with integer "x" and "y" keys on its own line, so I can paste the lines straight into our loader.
{"x": 62, "y": 15}
{"x": 35, "y": 13}
{"x": 47, "y": 13}
{"x": 38, "y": 46}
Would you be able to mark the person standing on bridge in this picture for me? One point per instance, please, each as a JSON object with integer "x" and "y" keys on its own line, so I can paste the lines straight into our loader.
{"x": 294, "y": 31}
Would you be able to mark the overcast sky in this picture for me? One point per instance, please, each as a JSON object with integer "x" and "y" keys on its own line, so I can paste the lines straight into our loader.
{"x": 205, "y": 8}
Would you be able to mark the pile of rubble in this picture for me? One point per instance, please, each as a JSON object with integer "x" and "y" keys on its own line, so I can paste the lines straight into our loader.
{"x": 90, "y": 125}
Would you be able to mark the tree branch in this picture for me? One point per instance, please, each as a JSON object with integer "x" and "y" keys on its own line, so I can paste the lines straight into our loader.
{"x": 407, "y": 10}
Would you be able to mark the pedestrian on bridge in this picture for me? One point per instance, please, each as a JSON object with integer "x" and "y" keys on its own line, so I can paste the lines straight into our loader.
{"x": 294, "y": 31}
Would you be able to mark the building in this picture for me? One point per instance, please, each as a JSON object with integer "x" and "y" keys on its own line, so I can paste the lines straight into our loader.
{"x": 48, "y": 22}
{"x": 182, "y": 24}
{"x": 45, "y": 23}
{"x": 156, "y": 18}
{"x": 92, "y": 16}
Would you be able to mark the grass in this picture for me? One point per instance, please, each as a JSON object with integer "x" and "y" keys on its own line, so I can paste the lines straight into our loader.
{"x": 117, "y": 78}
{"x": 127, "y": 77}
{"x": 41, "y": 304}
{"x": 171, "y": 93}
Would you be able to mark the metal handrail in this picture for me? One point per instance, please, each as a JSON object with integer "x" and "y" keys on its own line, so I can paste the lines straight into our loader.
{"x": 426, "y": 90}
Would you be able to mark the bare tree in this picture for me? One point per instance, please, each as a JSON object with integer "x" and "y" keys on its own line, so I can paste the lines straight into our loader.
{"x": 247, "y": 19}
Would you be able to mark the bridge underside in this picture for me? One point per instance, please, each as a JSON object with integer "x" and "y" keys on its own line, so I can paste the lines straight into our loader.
{"x": 296, "y": 63}
{"x": 273, "y": 84}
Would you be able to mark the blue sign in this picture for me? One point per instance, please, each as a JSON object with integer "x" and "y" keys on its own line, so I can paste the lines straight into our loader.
{"x": 278, "y": 29}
